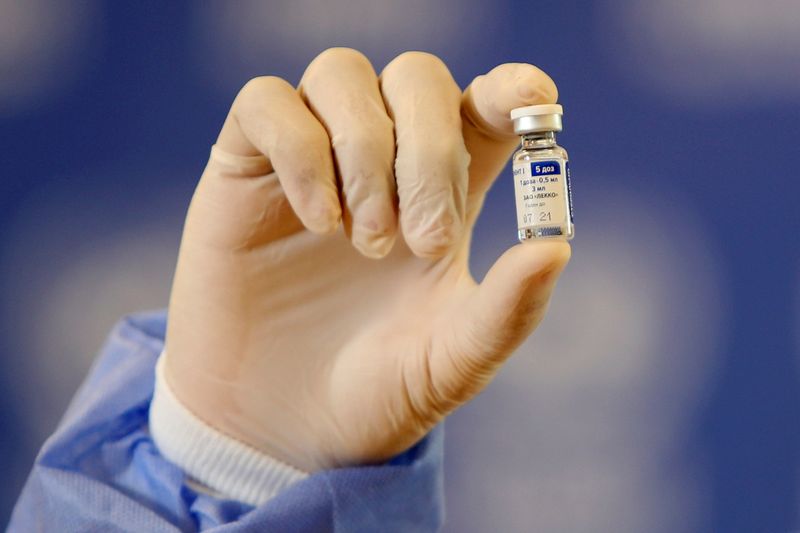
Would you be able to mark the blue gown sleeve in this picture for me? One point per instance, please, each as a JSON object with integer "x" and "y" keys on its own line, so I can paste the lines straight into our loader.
{"x": 101, "y": 471}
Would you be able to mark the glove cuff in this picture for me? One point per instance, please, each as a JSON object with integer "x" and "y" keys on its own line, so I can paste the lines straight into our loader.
{"x": 230, "y": 468}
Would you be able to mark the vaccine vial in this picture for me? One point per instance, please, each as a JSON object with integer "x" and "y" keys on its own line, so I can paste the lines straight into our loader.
{"x": 541, "y": 175}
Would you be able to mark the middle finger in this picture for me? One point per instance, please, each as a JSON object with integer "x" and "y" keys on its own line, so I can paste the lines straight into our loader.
{"x": 432, "y": 161}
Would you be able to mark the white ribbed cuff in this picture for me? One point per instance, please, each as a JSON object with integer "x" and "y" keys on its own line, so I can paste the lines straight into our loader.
{"x": 228, "y": 467}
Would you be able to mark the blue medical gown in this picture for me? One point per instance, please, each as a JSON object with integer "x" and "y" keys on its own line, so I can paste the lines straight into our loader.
{"x": 101, "y": 471}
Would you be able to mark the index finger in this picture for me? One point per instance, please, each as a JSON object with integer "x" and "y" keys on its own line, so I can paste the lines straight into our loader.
{"x": 488, "y": 131}
{"x": 268, "y": 117}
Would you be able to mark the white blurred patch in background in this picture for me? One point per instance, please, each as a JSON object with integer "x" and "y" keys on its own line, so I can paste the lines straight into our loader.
{"x": 44, "y": 47}
{"x": 707, "y": 52}
{"x": 69, "y": 271}
{"x": 236, "y": 38}
{"x": 583, "y": 430}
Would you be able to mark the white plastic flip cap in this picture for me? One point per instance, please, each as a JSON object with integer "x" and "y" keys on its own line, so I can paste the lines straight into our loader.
{"x": 537, "y": 118}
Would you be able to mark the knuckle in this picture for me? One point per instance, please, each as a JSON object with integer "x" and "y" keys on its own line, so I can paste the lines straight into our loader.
{"x": 259, "y": 88}
{"x": 414, "y": 59}
{"x": 264, "y": 84}
{"x": 362, "y": 148}
{"x": 308, "y": 147}
{"x": 336, "y": 57}
{"x": 365, "y": 164}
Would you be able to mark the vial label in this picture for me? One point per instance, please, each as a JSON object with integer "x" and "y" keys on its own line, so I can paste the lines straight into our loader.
{"x": 541, "y": 190}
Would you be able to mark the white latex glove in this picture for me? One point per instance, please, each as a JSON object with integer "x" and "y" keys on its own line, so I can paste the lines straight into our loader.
{"x": 323, "y": 346}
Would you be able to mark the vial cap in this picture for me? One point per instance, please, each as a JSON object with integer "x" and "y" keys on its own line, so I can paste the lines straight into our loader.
{"x": 537, "y": 118}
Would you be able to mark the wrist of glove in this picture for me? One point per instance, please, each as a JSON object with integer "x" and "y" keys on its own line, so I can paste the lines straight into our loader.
{"x": 221, "y": 464}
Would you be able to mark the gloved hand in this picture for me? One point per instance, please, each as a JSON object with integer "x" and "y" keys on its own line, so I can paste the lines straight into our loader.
{"x": 322, "y": 309}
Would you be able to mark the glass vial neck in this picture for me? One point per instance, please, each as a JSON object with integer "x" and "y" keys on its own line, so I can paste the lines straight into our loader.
{"x": 540, "y": 139}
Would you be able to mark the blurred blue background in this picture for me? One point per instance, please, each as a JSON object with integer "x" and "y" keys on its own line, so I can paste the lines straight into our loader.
{"x": 660, "y": 394}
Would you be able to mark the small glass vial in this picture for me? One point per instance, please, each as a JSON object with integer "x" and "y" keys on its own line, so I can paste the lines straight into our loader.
{"x": 541, "y": 175}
